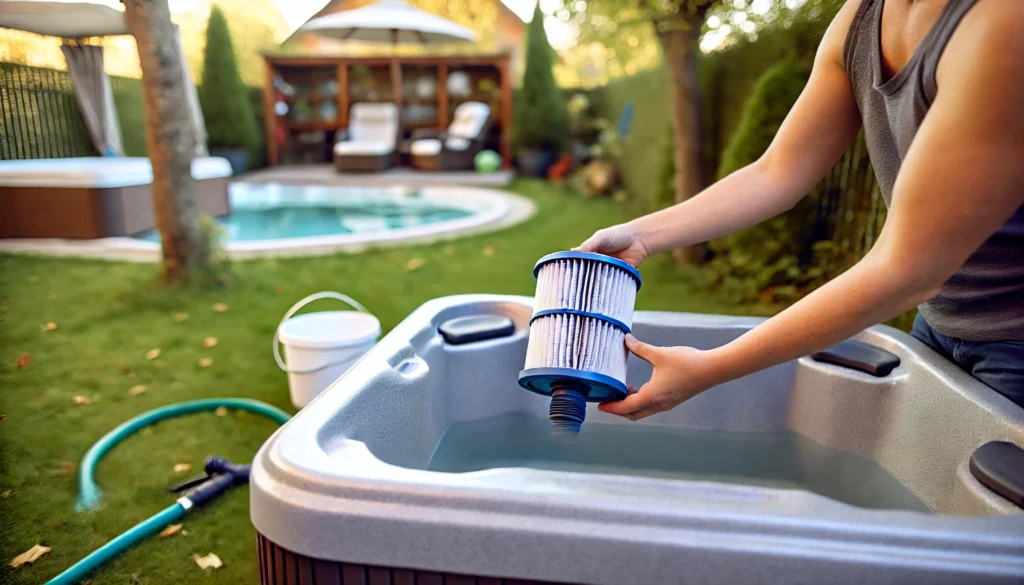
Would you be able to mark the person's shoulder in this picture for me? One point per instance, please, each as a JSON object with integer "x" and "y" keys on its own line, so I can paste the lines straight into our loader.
{"x": 991, "y": 37}
{"x": 835, "y": 42}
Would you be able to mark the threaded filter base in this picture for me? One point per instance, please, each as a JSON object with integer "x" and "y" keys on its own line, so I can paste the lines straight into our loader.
{"x": 567, "y": 411}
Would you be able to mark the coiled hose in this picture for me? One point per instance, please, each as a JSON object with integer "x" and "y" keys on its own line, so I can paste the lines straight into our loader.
{"x": 89, "y": 492}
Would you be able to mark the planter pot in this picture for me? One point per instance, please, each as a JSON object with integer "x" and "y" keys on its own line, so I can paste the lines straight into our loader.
{"x": 238, "y": 158}
{"x": 535, "y": 163}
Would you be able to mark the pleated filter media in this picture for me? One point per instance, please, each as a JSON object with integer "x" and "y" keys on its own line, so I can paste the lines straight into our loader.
{"x": 583, "y": 309}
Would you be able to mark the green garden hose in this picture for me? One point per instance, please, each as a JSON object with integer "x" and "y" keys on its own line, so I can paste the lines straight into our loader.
{"x": 124, "y": 541}
{"x": 89, "y": 492}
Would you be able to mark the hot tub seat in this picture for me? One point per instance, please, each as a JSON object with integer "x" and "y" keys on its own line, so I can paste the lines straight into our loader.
{"x": 344, "y": 487}
{"x": 94, "y": 197}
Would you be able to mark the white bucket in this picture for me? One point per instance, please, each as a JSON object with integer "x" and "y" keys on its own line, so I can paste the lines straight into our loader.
{"x": 320, "y": 347}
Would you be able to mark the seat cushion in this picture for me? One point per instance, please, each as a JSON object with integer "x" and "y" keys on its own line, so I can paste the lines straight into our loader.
{"x": 456, "y": 143}
{"x": 362, "y": 148}
{"x": 426, "y": 147}
{"x": 469, "y": 120}
{"x": 374, "y": 123}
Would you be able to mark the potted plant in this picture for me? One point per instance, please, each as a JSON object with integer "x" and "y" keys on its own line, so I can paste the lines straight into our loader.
{"x": 230, "y": 123}
{"x": 539, "y": 123}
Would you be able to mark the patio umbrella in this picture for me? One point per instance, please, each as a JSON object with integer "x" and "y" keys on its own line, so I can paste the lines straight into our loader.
{"x": 389, "y": 21}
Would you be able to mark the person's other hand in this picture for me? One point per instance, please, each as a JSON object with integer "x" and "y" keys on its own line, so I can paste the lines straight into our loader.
{"x": 680, "y": 373}
{"x": 620, "y": 241}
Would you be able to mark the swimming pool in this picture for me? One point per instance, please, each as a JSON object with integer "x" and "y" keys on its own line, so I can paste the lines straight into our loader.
{"x": 272, "y": 219}
{"x": 272, "y": 212}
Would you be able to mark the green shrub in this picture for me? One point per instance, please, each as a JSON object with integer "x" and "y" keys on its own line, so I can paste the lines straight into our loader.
{"x": 771, "y": 99}
{"x": 539, "y": 120}
{"x": 227, "y": 109}
{"x": 765, "y": 261}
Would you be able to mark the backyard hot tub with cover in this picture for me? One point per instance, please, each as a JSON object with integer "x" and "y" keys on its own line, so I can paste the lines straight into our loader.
{"x": 94, "y": 197}
{"x": 428, "y": 463}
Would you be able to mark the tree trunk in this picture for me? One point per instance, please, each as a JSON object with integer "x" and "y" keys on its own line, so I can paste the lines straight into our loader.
{"x": 169, "y": 140}
{"x": 680, "y": 45}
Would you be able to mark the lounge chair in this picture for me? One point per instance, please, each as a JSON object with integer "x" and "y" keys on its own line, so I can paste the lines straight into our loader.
{"x": 454, "y": 148}
{"x": 368, "y": 144}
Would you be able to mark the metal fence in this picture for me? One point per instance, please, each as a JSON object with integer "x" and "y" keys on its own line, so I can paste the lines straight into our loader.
{"x": 39, "y": 117}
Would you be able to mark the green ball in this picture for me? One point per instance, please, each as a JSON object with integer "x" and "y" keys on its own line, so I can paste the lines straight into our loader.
{"x": 487, "y": 161}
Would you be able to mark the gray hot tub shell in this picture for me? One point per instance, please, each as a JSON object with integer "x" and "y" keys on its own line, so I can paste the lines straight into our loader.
{"x": 320, "y": 487}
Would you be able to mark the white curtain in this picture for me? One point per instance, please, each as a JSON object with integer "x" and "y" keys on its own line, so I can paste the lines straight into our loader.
{"x": 95, "y": 97}
{"x": 198, "y": 124}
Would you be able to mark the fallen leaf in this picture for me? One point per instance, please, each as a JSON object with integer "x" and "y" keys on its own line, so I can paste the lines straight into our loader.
{"x": 489, "y": 250}
{"x": 136, "y": 390}
{"x": 279, "y": 289}
{"x": 49, "y": 326}
{"x": 5, "y": 494}
{"x": 450, "y": 250}
{"x": 221, "y": 411}
{"x": 3, "y": 416}
{"x": 210, "y": 342}
{"x": 210, "y": 561}
{"x": 182, "y": 467}
{"x": 170, "y": 530}
{"x": 180, "y": 317}
{"x": 414, "y": 264}
{"x": 82, "y": 399}
{"x": 32, "y": 555}
{"x": 221, "y": 307}
{"x": 153, "y": 354}
{"x": 23, "y": 360}
{"x": 130, "y": 373}
{"x": 66, "y": 468}
{"x": 205, "y": 362}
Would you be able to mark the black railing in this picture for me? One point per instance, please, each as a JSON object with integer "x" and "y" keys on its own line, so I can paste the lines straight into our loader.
{"x": 39, "y": 117}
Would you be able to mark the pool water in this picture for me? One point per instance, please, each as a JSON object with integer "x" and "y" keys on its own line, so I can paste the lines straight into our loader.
{"x": 779, "y": 459}
{"x": 300, "y": 221}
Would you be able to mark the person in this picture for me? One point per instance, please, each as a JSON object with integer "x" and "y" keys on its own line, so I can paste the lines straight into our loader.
{"x": 938, "y": 87}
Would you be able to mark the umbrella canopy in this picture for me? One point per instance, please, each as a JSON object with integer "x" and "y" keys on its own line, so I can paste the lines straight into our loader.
{"x": 70, "y": 20}
{"x": 389, "y": 21}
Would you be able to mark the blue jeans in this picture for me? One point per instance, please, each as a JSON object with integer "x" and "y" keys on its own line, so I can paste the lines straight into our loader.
{"x": 999, "y": 364}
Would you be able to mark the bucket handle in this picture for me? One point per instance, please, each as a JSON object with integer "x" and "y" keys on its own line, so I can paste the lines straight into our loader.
{"x": 327, "y": 294}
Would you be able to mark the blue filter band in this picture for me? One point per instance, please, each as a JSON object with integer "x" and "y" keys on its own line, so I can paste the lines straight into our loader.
{"x": 598, "y": 387}
{"x": 626, "y": 266}
{"x": 614, "y": 322}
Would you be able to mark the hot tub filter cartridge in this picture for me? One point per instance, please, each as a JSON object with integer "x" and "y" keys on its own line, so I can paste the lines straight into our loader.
{"x": 582, "y": 312}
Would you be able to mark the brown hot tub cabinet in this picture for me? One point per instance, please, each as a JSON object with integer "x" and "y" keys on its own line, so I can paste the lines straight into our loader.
{"x": 89, "y": 198}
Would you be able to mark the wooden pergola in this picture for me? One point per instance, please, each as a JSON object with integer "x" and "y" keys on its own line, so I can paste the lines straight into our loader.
{"x": 330, "y": 85}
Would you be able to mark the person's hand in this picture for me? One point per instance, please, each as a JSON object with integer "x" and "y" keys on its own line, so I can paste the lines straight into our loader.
{"x": 680, "y": 373}
{"x": 620, "y": 241}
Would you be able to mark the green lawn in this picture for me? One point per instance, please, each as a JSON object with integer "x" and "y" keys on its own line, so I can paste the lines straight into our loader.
{"x": 109, "y": 315}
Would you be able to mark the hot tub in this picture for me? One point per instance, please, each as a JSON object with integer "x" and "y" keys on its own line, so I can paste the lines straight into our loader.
{"x": 427, "y": 463}
{"x": 94, "y": 197}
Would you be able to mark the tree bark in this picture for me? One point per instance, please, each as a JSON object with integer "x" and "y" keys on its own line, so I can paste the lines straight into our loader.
{"x": 169, "y": 140}
{"x": 680, "y": 45}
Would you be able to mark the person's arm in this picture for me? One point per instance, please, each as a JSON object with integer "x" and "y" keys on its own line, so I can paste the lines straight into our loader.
{"x": 962, "y": 179}
{"x": 815, "y": 134}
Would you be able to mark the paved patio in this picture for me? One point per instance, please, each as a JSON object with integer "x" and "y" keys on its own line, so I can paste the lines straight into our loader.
{"x": 325, "y": 174}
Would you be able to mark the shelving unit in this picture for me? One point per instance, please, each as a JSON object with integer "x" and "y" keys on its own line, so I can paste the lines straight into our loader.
{"x": 307, "y": 99}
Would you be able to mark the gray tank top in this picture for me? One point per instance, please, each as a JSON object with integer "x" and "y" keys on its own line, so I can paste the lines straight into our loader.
{"x": 984, "y": 300}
